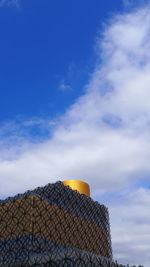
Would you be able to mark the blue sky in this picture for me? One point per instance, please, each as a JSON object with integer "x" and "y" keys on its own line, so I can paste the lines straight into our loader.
{"x": 74, "y": 81}
{"x": 45, "y": 45}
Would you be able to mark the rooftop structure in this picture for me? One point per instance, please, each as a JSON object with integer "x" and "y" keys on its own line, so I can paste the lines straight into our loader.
{"x": 55, "y": 226}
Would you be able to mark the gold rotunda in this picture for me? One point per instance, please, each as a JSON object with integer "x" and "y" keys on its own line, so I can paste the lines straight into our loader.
{"x": 80, "y": 186}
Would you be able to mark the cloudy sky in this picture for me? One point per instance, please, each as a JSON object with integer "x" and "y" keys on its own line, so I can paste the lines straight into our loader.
{"x": 75, "y": 104}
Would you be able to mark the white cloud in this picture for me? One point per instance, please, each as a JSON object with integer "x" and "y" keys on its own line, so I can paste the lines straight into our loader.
{"x": 103, "y": 138}
{"x": 132, "y": 4}
{"x": 9, "y": 3}
{"x": 64, "y": 87}
{"x": 131, "y": 227}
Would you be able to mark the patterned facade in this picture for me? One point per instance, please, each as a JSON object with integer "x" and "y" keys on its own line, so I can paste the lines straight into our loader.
{"x": 54, "y": 226}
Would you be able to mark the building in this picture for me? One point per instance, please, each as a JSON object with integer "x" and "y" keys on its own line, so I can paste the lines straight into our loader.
{"x": 55, "y": 226}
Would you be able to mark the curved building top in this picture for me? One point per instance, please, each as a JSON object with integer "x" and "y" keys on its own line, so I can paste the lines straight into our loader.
{"x": 80, "y": 186}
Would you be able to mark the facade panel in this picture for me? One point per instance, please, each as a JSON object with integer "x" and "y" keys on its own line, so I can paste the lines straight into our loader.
{"x": 52, "y": 226}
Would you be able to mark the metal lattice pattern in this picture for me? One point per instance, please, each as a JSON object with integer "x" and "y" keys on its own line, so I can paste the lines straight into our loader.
{"x": 62, "y": 258}
{"x": 44, "y": 225}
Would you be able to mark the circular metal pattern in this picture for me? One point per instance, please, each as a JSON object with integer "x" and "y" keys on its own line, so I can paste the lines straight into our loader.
{"x": 54, "y": 226}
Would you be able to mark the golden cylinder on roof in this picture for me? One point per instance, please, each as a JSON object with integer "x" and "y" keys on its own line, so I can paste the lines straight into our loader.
{"x": 80, "y": 186}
